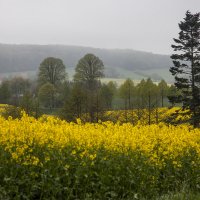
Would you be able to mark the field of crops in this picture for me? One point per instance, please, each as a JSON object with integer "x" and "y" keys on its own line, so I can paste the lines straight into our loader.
{"x": 174, "y": 115}
{"x": 52, "y": 159}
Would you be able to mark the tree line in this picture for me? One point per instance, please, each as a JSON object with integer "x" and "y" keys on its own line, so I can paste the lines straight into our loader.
{"x": 85, "y": 95}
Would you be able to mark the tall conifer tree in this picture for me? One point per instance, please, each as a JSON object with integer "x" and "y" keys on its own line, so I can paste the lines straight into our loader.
{"x": 186, "y": 67}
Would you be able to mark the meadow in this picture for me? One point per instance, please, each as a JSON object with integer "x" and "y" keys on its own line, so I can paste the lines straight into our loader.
{"x": 48, "y": 158}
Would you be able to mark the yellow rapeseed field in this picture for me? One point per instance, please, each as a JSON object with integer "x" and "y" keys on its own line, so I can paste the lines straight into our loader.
{"x": 50, "y": 157}
{"x": 157, "y": 142}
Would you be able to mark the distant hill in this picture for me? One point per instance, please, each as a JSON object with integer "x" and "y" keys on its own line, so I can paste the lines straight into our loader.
{"x": 118, "y": 63}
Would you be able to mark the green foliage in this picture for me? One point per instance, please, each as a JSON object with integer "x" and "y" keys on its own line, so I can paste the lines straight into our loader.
{"x": 18, "y": 87}
{"x": 112, "y": 86}
{"x": 68, "y": 175}
{"x": 147, "y": 94}
{"x": 75, "y": 105}
{"x": 88, "y": 70}
{"x": 63, "y": 93}
{"x": 46, "y": 95}
{"x": 51, "y": 70}
{"x": 5, "y": 92}
{"x": 163, "y": 91}
{"x": 127, "y": 92}
{"x": 184, "y": 194}
{"x": 174, "y": 95}
{"x": 106, "y": 95}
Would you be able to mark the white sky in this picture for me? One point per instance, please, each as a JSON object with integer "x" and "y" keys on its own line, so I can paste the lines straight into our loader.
{"x": 147, "y": 25}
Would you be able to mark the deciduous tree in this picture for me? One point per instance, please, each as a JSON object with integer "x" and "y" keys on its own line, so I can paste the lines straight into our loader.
{"x": 88, "y": 72}
{"x": 51, "y": 70}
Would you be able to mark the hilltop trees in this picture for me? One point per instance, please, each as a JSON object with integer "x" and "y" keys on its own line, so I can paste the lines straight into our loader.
{"x": 186, "y": 69}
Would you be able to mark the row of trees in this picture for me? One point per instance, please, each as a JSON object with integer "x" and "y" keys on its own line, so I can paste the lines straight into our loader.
{"x": 145, "y": 95}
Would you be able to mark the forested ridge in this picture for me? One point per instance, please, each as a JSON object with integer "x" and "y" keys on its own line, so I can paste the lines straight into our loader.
{"x": 118, "y": 62}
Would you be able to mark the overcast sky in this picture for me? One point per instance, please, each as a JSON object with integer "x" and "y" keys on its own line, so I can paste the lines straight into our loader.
{"x": 147, "y": 25}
